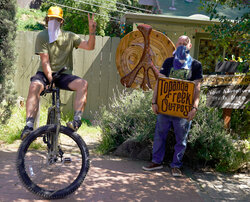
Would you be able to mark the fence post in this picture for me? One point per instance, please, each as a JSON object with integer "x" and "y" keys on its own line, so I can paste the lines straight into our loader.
{"x": 227, "y": 117}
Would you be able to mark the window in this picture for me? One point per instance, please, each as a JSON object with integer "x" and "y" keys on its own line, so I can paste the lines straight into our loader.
{"x": 207, "y": 53}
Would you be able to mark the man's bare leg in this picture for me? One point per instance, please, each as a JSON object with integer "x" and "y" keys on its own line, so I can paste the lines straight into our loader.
{"x": 32, "y": 105}
{"x": 81, "y": 87}
{"x": 32, "y": 102}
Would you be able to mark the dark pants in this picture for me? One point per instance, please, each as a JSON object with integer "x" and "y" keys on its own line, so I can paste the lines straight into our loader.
{"x": 181, "y": 129}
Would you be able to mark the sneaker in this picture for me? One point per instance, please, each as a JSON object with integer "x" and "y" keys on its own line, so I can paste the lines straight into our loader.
{"x": 74, "y": 125}
{"x": 26, "y": 131}
{"x": 152, "y": 166}
{"x": 176, "y": 172}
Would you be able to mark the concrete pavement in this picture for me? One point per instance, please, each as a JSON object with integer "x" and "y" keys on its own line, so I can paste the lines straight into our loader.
{"x": 118, "y": 179}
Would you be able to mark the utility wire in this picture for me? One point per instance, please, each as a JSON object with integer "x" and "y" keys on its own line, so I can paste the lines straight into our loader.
{"x": 81, "y": 10}
{"x": 98, "y": 6}
{"x": 137, "y": 8}
{"x": 85, "y": 14}
{"x": 117, "y": 6}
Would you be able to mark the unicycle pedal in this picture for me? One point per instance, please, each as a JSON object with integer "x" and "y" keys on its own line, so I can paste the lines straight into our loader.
{"x": 67, "y": 160}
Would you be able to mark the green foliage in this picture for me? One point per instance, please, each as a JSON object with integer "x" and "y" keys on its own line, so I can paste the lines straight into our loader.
{"x": 11, "y": 130}
{"x": 212, "y": 144}
{"x": 77, "y": 20}
{"x": 236, "y": 158}
{"x": 108, "y": 15}
{"x": 113, "y": 28}
{"x": 229, "y": 34}
{"x": 208, "y": 138}
{"x": 7, "y": 57}
{"x": 209, "y": 55}
{"x": 242, "y": 67}
{"x": 129, "y": 116}
{"x": 240, "y": 123}
{"x": 30, "y": 19}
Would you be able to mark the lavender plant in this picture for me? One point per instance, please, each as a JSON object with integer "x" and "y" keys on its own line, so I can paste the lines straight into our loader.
{"x": 128, "y": 116}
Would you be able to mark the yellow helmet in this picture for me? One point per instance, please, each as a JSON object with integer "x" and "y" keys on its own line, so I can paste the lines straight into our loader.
{"x": 56, "y": 12}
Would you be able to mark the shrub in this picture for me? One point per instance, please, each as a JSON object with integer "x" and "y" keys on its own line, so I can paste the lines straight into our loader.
{"x": 212, "y": 144}
{"x": 240, "y": 123}
{"x": 77, "y": 21}
{"x": 128, "y": 116}
{"x": 230, "y": 33}
{"x": 7, "y": 57}
{"x": 30, "y": 19}
{"x": 238, "y": 159}
{"x": 108, "y": 20}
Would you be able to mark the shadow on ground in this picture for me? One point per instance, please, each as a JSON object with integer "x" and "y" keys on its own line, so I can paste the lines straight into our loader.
{"x": 109, "y": 179}
{"x": 119, "y": 179}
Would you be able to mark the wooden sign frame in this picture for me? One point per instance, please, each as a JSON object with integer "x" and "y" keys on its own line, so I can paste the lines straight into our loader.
{"x": 228, "y": 97}
{"x": 175, "y": 96}
{"x": 223, "y": 80}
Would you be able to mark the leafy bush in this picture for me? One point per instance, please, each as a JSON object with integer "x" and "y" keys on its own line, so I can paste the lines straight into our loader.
{"x": 128, "y": 116}
{"x": 211, "y": 144}
{"x": 228, "y": 30}
{"x": 108, "y": 20}
{"x": 207, "y": 132}
{"x": 77, "y": 20}
{"x": 30, "y": 19}
{"x": 240, "y": 123}
{"x": 7, "y": 57}
{"x": 238, "y": 159}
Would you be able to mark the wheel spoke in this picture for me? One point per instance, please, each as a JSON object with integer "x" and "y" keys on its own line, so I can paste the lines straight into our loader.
{"x": 70, "y": 164}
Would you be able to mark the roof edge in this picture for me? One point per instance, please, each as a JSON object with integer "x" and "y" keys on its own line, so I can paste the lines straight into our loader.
{"x": 132, "y": 17}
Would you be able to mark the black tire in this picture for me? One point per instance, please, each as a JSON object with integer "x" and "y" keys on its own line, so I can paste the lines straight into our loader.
{"x": 38, "y": 175}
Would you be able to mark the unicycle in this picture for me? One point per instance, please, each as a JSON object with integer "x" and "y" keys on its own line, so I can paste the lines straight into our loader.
{"x": 53, "y": 160}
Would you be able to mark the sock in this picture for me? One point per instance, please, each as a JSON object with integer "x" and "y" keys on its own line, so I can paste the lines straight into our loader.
{"x": 30, "y": 122}
{"x": 78, "y": 115}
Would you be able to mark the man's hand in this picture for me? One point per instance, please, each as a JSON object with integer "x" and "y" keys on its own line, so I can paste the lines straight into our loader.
{"x": 90, "y": 44}
{"x": 92, "y": 24}
{"x": 191, "y": 114}
{"x": 197, "y": 89}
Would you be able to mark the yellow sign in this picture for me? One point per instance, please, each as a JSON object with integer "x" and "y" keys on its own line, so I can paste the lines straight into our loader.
{"x": 215, "y": 80}
{"x": 175, "y": 97}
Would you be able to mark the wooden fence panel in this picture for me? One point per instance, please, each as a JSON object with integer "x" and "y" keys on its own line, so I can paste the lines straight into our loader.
{"x": 19, "y": 71}
{"x": 27, "y": 61}
{"x": 85, "y": 63}
{"x": 93, "y": 77}
{"x": 114, "y": 82}
{"x": 104, "y": 70}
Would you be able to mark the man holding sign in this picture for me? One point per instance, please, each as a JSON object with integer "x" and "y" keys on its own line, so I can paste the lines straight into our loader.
{"x": 180, "y": 66}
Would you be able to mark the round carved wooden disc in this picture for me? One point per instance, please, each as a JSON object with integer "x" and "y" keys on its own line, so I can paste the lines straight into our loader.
{"x": 130, "y": 49}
